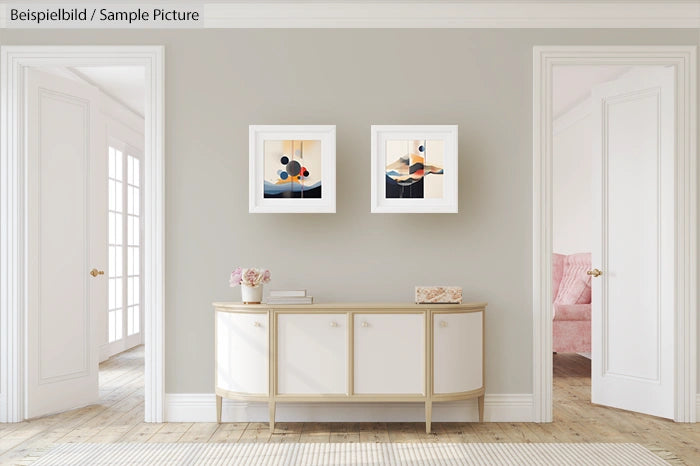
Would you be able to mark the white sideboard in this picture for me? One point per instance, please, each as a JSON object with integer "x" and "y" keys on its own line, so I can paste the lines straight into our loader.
{"x": 349, "y": 352}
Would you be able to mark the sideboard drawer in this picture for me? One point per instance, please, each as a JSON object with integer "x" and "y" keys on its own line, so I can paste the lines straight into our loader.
{"x": 242, "y": 352}
{"x": 311, "y": 353}
{"x": 389, "y": 353}
{"x": 457, "y": 352}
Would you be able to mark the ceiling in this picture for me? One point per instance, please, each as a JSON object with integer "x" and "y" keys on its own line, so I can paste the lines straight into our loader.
{"x": 573, "y": 84}
{"x": 123, "y": 83}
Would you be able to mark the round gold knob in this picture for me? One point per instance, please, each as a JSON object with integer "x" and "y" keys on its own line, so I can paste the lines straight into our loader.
{"x": 95, "y": 272}
{"x": 443, "y": 323}
{"x": 365, "y": 324}
{"x": 595, "y": 273}
{"x": 256, "y": 324}
{"x": 334, "y": 324}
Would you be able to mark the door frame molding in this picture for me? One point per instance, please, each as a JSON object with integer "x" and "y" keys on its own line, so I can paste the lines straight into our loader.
{"x": 13, "y": 214}
{"x": 683, "y": 58}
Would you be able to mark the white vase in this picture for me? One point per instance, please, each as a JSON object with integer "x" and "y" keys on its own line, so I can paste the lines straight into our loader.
{"x": 251, "y": 294}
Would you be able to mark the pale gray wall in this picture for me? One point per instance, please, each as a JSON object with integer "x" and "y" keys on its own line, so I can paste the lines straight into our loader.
{"x": 220, "y": 81}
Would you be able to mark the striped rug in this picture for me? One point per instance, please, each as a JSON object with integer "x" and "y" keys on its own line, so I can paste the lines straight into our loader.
{"x": 413, "y": 454}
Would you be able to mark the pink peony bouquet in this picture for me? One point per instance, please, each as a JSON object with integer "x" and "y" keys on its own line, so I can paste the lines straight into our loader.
{"x": 249, "y": 277}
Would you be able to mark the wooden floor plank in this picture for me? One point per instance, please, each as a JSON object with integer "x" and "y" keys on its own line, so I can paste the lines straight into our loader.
{"x": 228, "y": 432}
{"x": 199, "y": 432}
{"x": 315, "y": 432}
{"x": 256, "y": 432}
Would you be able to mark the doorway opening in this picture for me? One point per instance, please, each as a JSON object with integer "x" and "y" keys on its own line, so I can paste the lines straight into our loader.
{"x": 95, "y": 114}
{"x": 643, "y": 195}
{"x": 573, "y": 104}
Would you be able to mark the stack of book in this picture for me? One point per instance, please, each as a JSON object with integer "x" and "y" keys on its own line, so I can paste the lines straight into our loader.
{"x": 289, "y": 297}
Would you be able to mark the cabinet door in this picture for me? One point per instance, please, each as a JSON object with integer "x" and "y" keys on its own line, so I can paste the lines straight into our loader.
{"x": 311, "y": 353}
{"x": 457, "y": 352}
{"x": 389, "y": 353}
{"x": 242, "y": 352}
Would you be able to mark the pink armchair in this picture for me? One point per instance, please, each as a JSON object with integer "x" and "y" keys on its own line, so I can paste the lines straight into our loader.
{"x": 571, "y": 294}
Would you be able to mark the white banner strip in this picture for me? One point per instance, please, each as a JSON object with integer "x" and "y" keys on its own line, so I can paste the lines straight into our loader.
{"x": 359, "y": 14}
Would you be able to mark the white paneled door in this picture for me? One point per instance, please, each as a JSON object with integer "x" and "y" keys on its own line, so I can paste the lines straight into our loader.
{"x": 66, "y": 228}
{"x": 633, "y": 213}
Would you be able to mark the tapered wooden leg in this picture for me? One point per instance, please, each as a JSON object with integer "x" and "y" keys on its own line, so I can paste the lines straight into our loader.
{"x": 218, "y": 409}
{"x": 428, "y": 415}
{"x": 272, "y": 416}
{"x": 481, "y": 408}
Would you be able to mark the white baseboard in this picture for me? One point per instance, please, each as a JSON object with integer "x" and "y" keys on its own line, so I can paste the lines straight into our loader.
{"x": 201, "y": 407}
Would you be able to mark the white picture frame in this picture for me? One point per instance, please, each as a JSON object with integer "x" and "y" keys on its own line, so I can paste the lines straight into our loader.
{"x": 386, "y": 138}
{"x": 263, "y": 194}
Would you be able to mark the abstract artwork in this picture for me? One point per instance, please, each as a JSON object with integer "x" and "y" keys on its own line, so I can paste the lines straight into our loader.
{"x": 414, "y": 169}
{"x": 292, "y": 168}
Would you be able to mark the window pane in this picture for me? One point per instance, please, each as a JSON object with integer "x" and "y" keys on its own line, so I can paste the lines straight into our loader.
{"x": 130, "y": 321}
{"x": 112, "y": 294}
{"x": 118, "y": 197}
{"x": 137, "y": 201}
{"x": 119, "y": 319}
{"x": 111, "y": 161}
{"x": 112, "y": 227}
{"x": 130, "y": 169}
{"x": 119, "y": 167}
{"x": 111, "y": 266}
{"x": 130, "y": 261}
{"x": 131, "y": 230}
{"x": 136, "y": 231}
{"x": 137, "y": 176}
{"x": 134, "y": 261}
{"x": 118, "y": 262}
{"x": 130, "y": 202}
{"x": 118, "y": 293}
{"x": 111, "y": 193}
{"x": 118, "y": 229}
{"x": 130, "y": 294}
{"x": 137, "y": 319}
{"x": 111, "y": 327}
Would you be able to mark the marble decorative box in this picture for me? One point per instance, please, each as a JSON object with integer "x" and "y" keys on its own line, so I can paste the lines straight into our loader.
{"x": 439, "y": 294}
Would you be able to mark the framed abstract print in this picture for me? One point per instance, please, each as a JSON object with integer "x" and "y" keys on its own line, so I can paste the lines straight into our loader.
{"x": 414, "y": 169}
{"x": 292, "y": 169}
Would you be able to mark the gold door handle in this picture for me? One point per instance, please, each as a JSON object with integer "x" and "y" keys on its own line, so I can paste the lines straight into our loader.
{"x": 95, "y": 272}
{"x": 595, "y": 273}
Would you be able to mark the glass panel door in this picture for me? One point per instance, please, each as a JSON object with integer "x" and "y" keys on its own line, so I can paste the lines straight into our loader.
{"x": 125, "y": 231}
{"x": 116, "y": 240}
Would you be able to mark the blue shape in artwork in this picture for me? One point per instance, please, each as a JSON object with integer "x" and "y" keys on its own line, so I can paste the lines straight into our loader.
{"x": 421, "y": 149}
{"x": 274, "y": 190}
{"x": 284, "y": 160}
{"x": 284, "y": 175}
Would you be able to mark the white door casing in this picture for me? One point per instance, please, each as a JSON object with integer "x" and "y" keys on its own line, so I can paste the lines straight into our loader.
{"x": 457, "y": 352}
{"x": 683, "y": 61}
{"x": 632, "y": 317}
{"x": 242, "y": 352}
{"x": 311, "y": 354}
{"x": 389, "y": 353}
{"x": 66, "y": 195}
{"x": 14, "y": 61}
